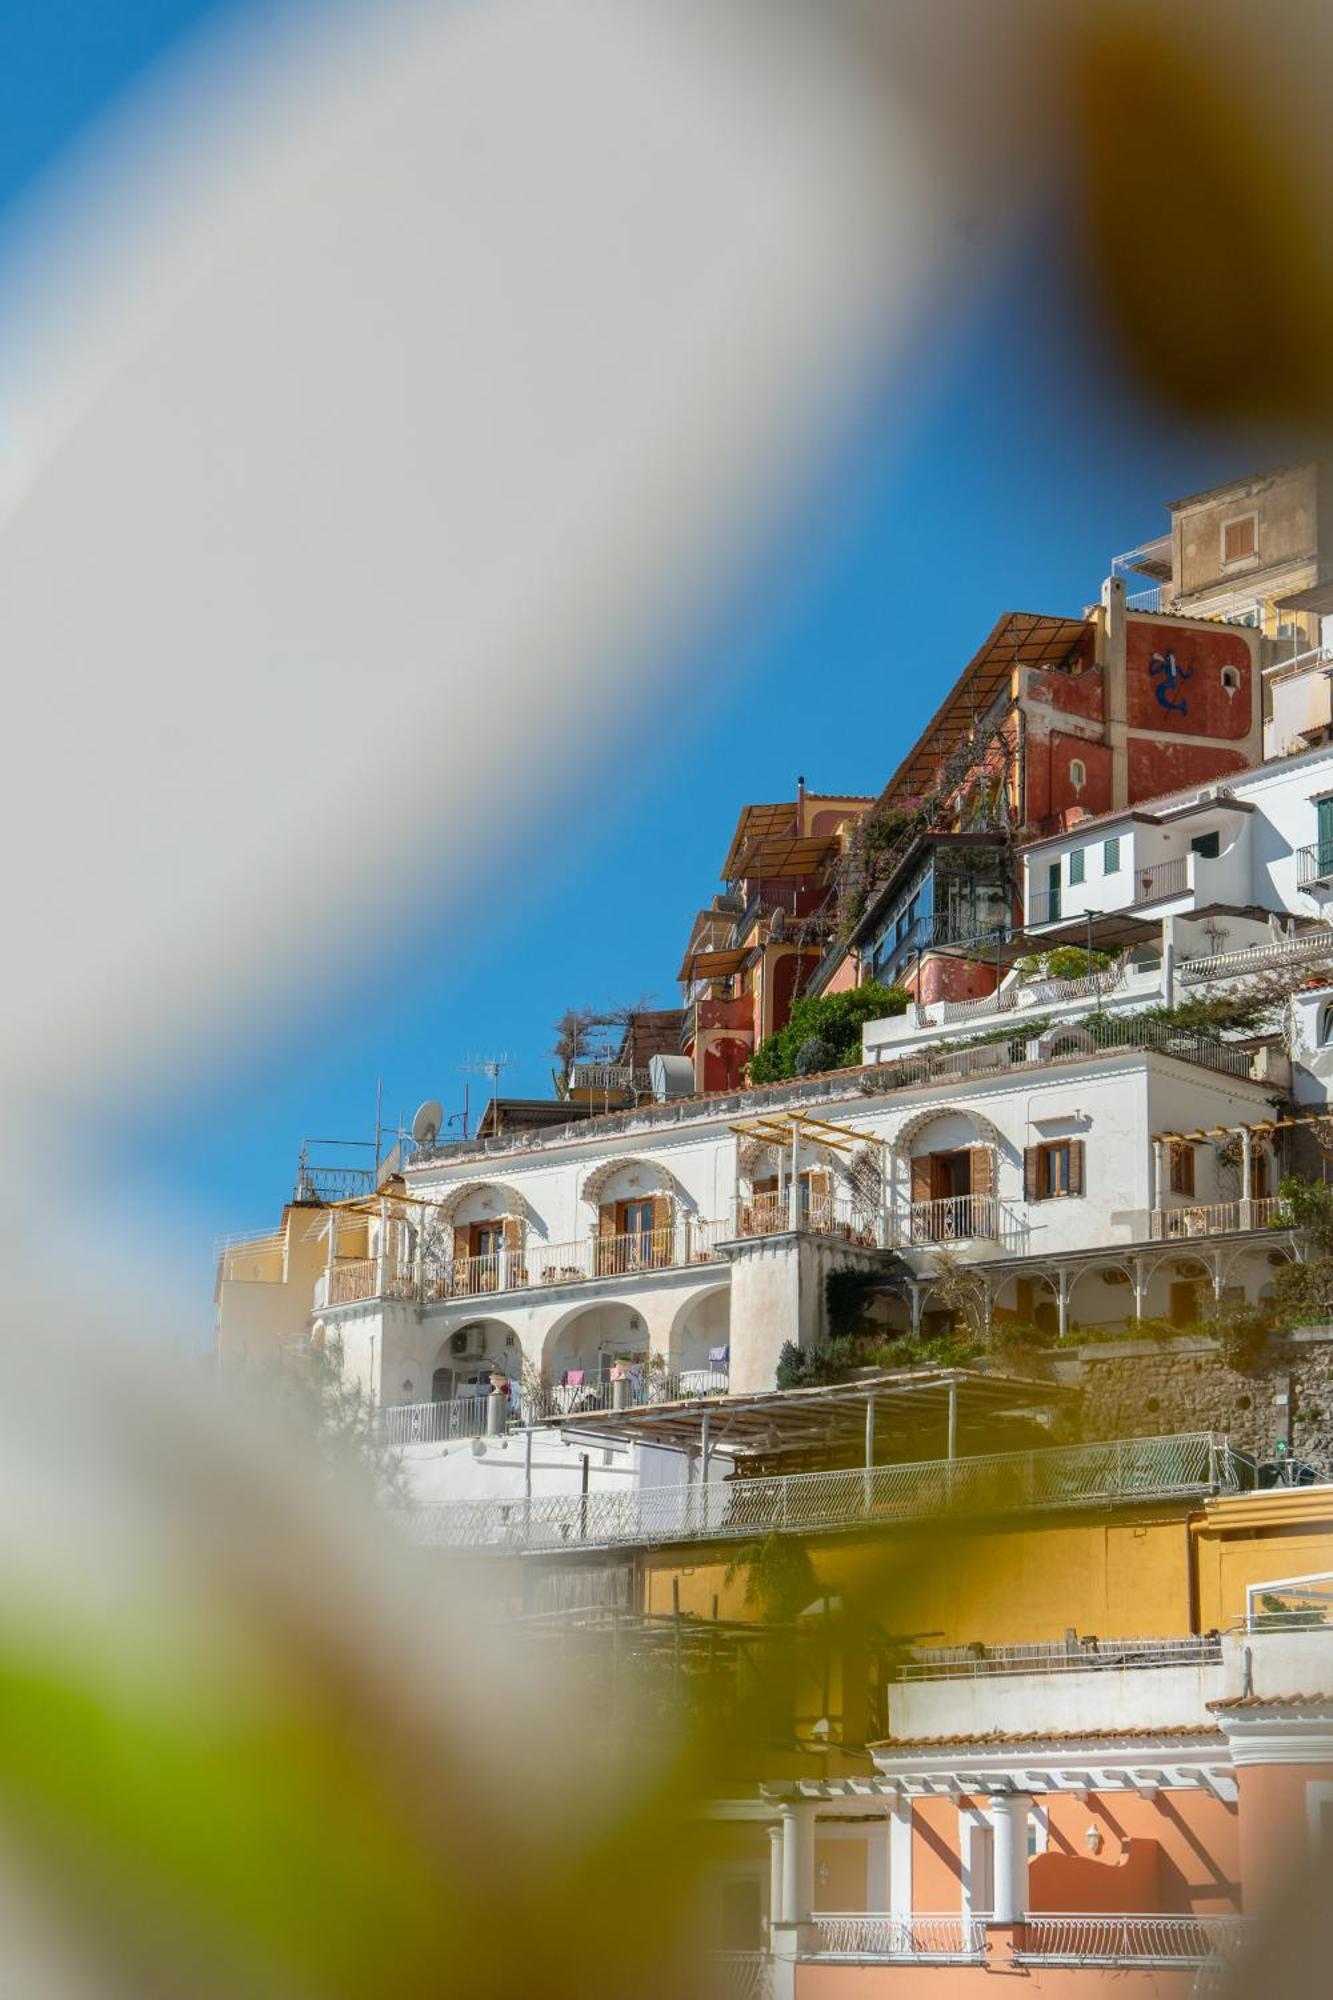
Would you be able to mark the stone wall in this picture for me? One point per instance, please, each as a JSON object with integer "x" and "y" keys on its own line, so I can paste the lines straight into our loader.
{"x": 1149, "y": 1388}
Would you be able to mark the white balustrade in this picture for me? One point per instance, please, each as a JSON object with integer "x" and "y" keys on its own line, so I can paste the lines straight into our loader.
{"x": 856, "y": 1934}
{"x": 953, "y": 1219}
{"x": 1215, "y": 1218}
{"x": 1072, "y": 1939}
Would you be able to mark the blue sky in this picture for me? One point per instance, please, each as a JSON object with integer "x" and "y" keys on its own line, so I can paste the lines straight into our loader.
{"x": 1003, "y": 476}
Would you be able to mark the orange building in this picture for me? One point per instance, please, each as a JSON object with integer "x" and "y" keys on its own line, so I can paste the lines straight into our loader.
{"x": 753, "y": 951}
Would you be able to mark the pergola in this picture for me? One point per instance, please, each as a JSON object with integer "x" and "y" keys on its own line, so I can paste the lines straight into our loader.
{"x": 857, "y": 1422}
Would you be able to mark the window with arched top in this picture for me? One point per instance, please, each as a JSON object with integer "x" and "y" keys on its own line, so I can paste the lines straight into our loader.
{"x": 1078, "y": 773}
{"x": 1230, "y": 680}
{"x": 1326, "y": 1024}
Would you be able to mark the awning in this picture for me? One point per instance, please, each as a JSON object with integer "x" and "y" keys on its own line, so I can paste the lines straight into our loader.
{"x": 830, "y": 1422}
{"x": 787, "y": 854}
{"x": 709, "y": 964}
{"x": 779, "y": 1128}
{"x": 1020, "y": 639}
{"x": 754, "y": 823}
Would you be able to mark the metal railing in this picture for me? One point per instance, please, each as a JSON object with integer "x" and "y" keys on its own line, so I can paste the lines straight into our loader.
{"x": 949, "y": 1663}
{"x": 1314, "y": 864}
{"x": 470, "y": 1416}
{"x": 741, "y": 1975}
{"x": 1127, "y": 1940}
{"x": 431, "y": 1281}
{"x": 953, "y": 1219}
{"x": 1162, "y": 878}
{"x": 1308, "y": 945}
{"x": 1108, "y": 1032}
{"x": 770, "y": 1214}
{"x": 1069, "y": 1476}
{"x": 854, "y": 1934}
{"x": 1216, "y": 1218}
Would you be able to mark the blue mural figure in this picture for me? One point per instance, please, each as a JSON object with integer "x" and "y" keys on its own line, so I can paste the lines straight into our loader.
{"x": 1170, "y": 677}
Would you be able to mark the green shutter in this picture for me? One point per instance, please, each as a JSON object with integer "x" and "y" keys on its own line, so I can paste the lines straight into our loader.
{"x": 1324, "y": 808}
{"x": 1111, "y": 856}
{"x": 1076, "y": 866}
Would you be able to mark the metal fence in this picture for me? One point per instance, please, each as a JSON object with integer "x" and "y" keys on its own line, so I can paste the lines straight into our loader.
{"x": 853, "y": 1934}
{"x": 1057, "y": 1657}
{"x": 1127, "y": 1940}
{"x": 470, "y": 1416}
{"x": 806, "y": 1502}
{"x": 1216, "y": 1218}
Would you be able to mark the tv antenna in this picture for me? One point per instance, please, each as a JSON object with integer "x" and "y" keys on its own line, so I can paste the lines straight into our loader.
{"x": 492, "y": 1066}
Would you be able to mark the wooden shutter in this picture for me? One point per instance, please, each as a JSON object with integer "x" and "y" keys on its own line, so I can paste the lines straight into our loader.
{"x": 462, "y": 1239}
{"x": 921, "y": 1178}
{"x": 1032, "y": 1190}
{"x": 1182, "y": 1168}
{"x": 983, "y": 1170}
{"x": 1076, "y": 1181}
{"x": 661, "y": 1251}
{"x": 606, "y": 1219}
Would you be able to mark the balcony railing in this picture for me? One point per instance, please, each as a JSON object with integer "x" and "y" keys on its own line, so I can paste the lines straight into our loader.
{"x": 770, "y": 1214}
{"x": 852, "y": 1934}
{"x": 1314, "y": 865}
{"x": 1216, "y": 1218}
{"x": 471, "y": 1416}
{"x": 1069, "y": 1476}
{"x": 1057, "y": 1657}
{"x": 1163, "y": 878}
{"x": 741, "y": 1975}
{"x": 433, "y": 1281}
{"x": 1128, "y": 1940}
{"x": 953, "y": 1219}
{"x": 1316, "y": 946}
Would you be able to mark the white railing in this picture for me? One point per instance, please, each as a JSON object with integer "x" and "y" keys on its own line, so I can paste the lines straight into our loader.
{"x": 770, "y": 1214}
{"x": 470, "y": 1416}
{"x": 1068, "y": 1476}
{"x": 1163, "y": 878}
{"x": 853, "y": 1934}
{"x": 1156, "y": 599}
{"x": 1299, "y": 663}
{"x": 953, "y": 1219}
{"x": 346, "y": 1283}
{"x": 1260, "y": 957}
{"x": 1216, "y": 1218}
{"x": 431, "y": 1281}
{"x": 741, "y": 1975}
{"x": 1128, "y": 1940}
{"x": 999, "y": 1002}
{"x": 947, "y": 1663}
{"x": 252, "y": 1259}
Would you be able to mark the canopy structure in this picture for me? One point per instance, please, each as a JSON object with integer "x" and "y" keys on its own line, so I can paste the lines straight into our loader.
{"x": 1020, "y": 639}
{"x": 713, "y": 962}
{"x": 934, "y": 1412}
{"x": 790, "y": 1128}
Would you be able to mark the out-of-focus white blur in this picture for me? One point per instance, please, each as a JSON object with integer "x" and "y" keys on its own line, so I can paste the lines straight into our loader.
{"x": 384, "y": 400}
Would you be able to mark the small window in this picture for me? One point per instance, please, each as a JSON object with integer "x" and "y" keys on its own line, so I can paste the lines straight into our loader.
{"x": 1078, "y": 773}
{"x": 1111, "y": 856}
{"x": 1231, "y": 678}
{"x": 1182, "y": 1168}
{"x": 1076, "y": 866}
{"x": 1326, "y": 1025}
{"x": 1053, "y": 1171}
{"x": 1240, "y": 539}
{"x": 1207, "y": 845}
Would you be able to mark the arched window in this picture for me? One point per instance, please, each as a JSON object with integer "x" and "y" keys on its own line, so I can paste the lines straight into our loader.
{"x": 1078, "y": 773}
{"x": 1230, "y": 680}
{"x": 1326, "y": 1024}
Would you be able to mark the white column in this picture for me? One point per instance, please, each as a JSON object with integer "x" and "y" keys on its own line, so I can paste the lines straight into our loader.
{"x": 879, "y": 1890}
{"x": 900, "y": 1856}
{"x": 1062, "y": 1301}
{"x": 794, "y": 1180}
{"x": 1156, "y": 1184}
{"x": 798, "y": 1862}
{"x": 774, "y": 1875}
{"x": 1246, "y": 1174}
{"x": 1009, "y": 1817}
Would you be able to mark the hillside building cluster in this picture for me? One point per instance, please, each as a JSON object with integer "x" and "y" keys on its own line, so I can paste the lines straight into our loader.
{"x": 989, "y": 1312}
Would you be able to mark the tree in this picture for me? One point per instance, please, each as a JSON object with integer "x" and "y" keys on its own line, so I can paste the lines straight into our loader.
{"x": 824, "y": 1030}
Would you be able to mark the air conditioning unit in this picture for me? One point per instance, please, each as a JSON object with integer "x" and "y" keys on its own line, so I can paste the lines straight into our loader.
{"x": 468, "y": 1340}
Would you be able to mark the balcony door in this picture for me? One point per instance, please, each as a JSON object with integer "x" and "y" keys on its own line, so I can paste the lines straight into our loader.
{"x": 634, "y": 1225}
{"x": 1053, "y": 893}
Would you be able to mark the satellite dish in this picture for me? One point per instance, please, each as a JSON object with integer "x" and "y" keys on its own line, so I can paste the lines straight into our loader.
{"x": 427, "y": 1123}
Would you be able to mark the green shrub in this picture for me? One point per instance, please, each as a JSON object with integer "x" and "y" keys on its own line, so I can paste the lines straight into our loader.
{"x": 832, "y": 1020}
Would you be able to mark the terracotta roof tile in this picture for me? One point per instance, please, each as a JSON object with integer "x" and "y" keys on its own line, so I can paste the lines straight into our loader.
{"x": 999, "y": 1738}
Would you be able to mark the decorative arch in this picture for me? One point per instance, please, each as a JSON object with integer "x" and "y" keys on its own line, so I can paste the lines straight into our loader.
{"x": 660, "y": 1180}
{"x": 1066, "y": 1039}
{"x": 513, "y": 1203}
{"x": 753, "y": 1154}
{"x": 987, "y": 1133}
